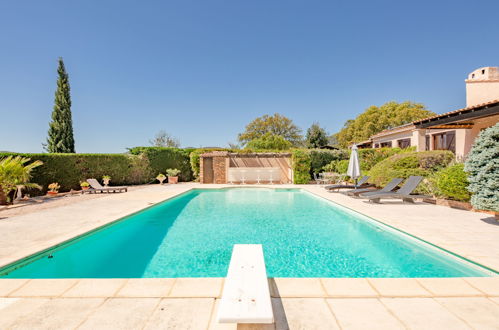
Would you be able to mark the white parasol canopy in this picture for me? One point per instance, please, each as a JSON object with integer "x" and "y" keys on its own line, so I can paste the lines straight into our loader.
{"x": 353, "y": 164}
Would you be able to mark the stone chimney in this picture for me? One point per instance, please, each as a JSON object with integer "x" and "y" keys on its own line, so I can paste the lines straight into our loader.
{"x": 482, "y": 86}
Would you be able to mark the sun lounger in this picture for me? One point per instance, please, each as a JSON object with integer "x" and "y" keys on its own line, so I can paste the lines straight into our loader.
{"x": 95, "y": 187}
{"x": 246, "y": 296}
{"x": 390, "y": 186}
{"x": 362, "y": 183}
{"x": 403, "y": 193}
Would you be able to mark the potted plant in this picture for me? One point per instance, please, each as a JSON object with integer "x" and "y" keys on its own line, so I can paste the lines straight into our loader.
{"x": 85, "y": 185}
{"x": 161, "y": 177}
{"x": 172, "y": 175}
{"x": 106, "y": 179}
{"x": 53, "y": 189}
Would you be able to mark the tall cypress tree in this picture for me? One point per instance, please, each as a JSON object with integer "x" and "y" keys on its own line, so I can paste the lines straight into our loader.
{"x": 60, "y": 135}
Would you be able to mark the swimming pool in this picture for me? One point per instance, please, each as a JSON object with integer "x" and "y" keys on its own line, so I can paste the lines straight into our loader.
{"x": 192, "y": 235}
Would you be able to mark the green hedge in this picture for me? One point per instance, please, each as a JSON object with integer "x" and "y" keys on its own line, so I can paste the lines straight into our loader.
{"x": 452, "y": 183}
{"x": 70, "y": 169}
{"x": 321, "y": 157}
{"x": 162, "y": 158}
{"x": 139, "y": 167}
{"x": 301, "y": 163}
{"x": 371, "y": 156}
{"x": 337, "y": 166}
{"x": 368, "y": 158}
{"x": 403, "y": 165}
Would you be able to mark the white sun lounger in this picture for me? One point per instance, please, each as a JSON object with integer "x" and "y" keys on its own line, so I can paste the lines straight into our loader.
{"x": 246, "y": 296}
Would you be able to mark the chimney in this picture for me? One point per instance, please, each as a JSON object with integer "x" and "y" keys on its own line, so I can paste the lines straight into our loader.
{"x": 482, "y": 86}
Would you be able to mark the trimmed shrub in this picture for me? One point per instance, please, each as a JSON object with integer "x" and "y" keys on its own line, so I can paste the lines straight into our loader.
{"x": 322, "y": 157}
{"x": 371, "y": 156}
{"x": 368, "y": 158}
{"x": 482, "y": 166}
{"x": 452, "y": 182}
{"x": 161, "y": 158}
{"x": 403, "y": 165}
{"x": 301, "y": 166}
{"x": 70, "y": 169}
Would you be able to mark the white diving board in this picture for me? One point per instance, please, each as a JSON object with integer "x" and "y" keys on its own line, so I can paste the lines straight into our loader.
{"x": 246, "y": 296}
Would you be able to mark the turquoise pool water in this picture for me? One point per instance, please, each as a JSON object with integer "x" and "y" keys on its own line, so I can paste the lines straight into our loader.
{"x": 192, "y": 236}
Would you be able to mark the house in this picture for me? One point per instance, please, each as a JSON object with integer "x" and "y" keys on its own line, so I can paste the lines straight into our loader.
{"x": 455, "y": 130}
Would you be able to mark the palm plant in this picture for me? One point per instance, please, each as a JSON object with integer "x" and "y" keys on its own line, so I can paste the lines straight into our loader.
{"x": 15, "y": 173}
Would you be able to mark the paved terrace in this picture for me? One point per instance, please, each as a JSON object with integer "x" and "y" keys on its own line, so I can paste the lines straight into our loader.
{"x": 298, "y": 303}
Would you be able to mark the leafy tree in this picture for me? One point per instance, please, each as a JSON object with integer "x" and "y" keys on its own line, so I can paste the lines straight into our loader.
{"x": 376, "y": 119}
{"x": 269, "y": 141}
{"x": 60, "y": 135}
{"x": 482, "y": 166}
{"x": 163, "y": 139}
{"x": 274, "y": 125}
{"x": 14, "y": 172}
{"x": 316, "y": 136}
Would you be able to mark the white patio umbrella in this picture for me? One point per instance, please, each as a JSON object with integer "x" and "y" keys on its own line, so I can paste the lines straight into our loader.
{"x": 353, "y": 165}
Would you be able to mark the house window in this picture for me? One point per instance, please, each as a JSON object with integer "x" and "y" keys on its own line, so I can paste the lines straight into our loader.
{"x": 404, "y": 143}
{"x": 445, "y": 141}
{"x": 386, "y": 144}
{"x": 483, "y": 71}
{"x": 376, "y": 145}
{"x": 427, "y": 142}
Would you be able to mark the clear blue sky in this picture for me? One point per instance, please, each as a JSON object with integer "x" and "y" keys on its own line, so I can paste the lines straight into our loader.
{"x": 201, "y": 70}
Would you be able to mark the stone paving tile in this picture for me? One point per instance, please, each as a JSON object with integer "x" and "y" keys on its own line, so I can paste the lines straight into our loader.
{"x": 180, "y": 313}
{"x": 57, "y": 314}
{"x": 13, "y": 308}
{"x": 479, "y": 313}
{"x": 4, "y": 302}
{"x": 95, "y": 287}
{"x": 398, "y": 287}
{"x": 121, "y": 313}
{"x": 8, "y": 285}
{"x": 363, "y": 313}
{"x": 296, "y": 287}
{"x": 423, "y": 313}
{"x": 146, "y": 287}
{"x": 303, "y": 313}
{"x": 44, "y": 288}
{"x": 488, "y": 285}
{"x": 449, "y": 287}
{"x": 197, "y": 287}
{"x": 348, "y": 287}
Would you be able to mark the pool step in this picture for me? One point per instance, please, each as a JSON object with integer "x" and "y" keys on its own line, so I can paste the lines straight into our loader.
{"x": 246, "y": 296}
